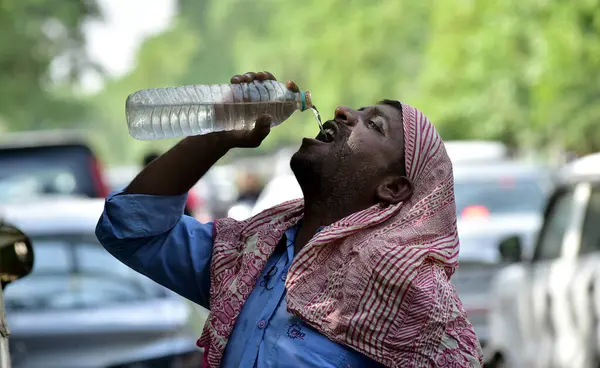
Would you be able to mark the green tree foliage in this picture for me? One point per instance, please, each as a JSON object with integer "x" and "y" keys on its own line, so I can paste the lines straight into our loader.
{"x": 520, "y": 71}
{"x": 524, "y": 72}
{"x": 33, "y": 34}
{"x": 356, "y": 57}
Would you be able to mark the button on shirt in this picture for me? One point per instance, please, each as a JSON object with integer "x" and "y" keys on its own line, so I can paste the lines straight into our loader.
{"x": 150, "y": 235}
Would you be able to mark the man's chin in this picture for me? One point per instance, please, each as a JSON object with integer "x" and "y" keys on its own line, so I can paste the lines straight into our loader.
{"x": 306, "y": 162}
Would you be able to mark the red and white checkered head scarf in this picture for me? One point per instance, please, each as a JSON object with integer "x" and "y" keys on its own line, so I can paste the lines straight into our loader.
{"x": 377, "y": 280}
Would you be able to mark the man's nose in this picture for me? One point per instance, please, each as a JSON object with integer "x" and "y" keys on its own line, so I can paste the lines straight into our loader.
{"x": 345, "y": 115}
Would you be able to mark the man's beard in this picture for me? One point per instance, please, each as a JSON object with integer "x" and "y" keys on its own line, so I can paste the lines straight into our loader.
{"x": 328, "y": 174}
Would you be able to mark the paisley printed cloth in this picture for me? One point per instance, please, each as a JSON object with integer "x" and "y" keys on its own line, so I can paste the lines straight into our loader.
{"x": 377, "y": 280}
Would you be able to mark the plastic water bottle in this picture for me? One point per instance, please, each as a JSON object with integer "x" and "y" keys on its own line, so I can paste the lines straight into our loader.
{"x": 201, "y": 109}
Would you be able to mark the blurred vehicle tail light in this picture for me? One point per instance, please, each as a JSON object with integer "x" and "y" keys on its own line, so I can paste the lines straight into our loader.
{"x": 198, "y": 207}
{"x": 194, "y": 202}
{"x": 97, "y": 176}
{"x": 475, "y": 211}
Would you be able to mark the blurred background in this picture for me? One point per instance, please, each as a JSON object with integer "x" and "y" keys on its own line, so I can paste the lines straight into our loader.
{"x": 512, "y": 86}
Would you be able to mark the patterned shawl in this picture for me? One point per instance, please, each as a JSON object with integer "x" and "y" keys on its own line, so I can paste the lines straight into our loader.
{"x": 377, "y": 280}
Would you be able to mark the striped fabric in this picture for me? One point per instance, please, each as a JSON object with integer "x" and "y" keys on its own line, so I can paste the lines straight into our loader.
{"x": 377, "y": 281}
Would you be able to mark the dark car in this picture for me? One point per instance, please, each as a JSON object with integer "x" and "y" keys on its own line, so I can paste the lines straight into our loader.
{"x": 500, "y": 188}
{"x": 34, "y": 164}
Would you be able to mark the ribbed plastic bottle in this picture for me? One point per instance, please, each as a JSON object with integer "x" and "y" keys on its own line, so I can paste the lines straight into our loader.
{"x": 160, "y": 113}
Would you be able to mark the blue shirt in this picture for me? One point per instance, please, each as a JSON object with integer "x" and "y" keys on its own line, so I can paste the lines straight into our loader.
{"x": 151, "y": 235}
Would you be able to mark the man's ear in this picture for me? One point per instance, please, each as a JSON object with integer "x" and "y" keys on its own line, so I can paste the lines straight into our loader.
{"x": 394, "y": 189}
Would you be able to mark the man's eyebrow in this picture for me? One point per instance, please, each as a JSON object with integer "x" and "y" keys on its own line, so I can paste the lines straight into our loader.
{"x": 376, "y": 110}
{"x": 379, "y": 112}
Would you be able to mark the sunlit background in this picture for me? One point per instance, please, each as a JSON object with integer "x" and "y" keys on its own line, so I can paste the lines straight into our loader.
{"x": 512, "y": 86}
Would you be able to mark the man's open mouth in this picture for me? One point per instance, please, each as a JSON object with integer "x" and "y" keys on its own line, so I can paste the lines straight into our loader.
{"x": 329, "y": 132}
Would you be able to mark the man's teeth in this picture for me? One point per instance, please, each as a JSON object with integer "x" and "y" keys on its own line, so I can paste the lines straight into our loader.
{"x": 328, "y": 134}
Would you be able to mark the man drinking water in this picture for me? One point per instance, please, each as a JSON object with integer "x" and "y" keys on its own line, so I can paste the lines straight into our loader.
{"x": 355, "y": 274}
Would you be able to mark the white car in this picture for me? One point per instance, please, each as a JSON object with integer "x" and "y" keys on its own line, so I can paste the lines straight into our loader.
{"x": 280, "y": 189}
{"x": 487, "y": 151}
{"x": 545, "y": 307}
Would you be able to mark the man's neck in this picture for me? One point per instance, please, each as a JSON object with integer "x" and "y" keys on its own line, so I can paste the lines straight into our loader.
{"x": 318, "y": 213}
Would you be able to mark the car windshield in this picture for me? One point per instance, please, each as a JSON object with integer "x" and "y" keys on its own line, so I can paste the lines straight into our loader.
{"x": 42, "y": 171}
{"x": 76, "y": 272}
{"x": 498, "y": 196}
{"x": 20, "y": 184}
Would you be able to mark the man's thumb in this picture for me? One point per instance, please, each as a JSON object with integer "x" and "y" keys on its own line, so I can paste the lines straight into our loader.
{"x": 262, "y": 127}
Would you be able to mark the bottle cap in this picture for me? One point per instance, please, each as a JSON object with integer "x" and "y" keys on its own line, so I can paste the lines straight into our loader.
{"x": 306, "y": 100}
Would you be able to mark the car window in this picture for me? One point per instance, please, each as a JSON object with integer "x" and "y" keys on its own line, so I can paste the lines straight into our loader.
{"x": 557, "y": 220}
{"x": 42, "y": 171}
{"x": 53, "y": 256}
{"x": 590, "y": 234}
{"x": 499, "y": 196}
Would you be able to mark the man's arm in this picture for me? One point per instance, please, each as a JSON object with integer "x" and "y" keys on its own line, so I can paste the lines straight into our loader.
{"x": 144, "y": 226}
{"x": 150, "y": 235}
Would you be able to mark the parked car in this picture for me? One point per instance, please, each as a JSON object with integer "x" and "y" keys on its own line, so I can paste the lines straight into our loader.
{"x": 476, "y": 151}
{"x": 34, "y": 164}
{"x": 500, "y": 188}
{"x": 16, "y": 262}
{"x": 545, "y": 307}
{"x": 80, "y": 307}
{"x": 479, "y": 261}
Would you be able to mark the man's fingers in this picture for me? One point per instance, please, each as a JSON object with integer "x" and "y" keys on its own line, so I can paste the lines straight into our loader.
{"x": 263, "y": 123}
{"x": 270, "y": 76}
{"x": 291, "y": 85}
{"x": 261, "y": 76}
{"x": 249, "y": 77}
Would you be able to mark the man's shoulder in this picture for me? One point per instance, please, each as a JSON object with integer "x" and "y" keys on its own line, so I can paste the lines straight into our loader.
{"x": 276, "y": 220}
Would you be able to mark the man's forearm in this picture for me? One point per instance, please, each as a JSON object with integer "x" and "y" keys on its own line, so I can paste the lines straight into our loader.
{"x": 180, "y": 168}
